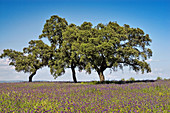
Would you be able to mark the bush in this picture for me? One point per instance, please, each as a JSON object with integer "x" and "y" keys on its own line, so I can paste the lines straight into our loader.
{"x": 165, "y": 79}
{"x": 159, "y": 78}
{"x": 132, "y": 79}
{"x": 122, "y": 79}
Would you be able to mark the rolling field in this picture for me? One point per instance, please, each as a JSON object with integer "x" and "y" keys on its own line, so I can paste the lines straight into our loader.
{"x": 85, "y": 98}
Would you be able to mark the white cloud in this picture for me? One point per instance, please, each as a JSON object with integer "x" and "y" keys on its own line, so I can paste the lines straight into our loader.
{"x": 4, "y": 61}
{"x": 4, "y": 64}
{"x": 151, "y": 60}
{"x": 157, "y": 69}
{"x": 111, "y": 77}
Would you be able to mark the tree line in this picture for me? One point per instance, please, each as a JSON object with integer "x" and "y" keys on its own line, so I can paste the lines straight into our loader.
{"x": 84, "y": 47}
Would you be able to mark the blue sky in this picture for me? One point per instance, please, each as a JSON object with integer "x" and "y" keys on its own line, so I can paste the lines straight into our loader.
{"x": 23, "y": 20}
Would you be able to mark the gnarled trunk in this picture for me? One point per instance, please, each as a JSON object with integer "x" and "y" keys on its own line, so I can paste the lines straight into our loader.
{"x": 31, "y": 76}
{"x": 74, "y": 74}
{"x": 101, "y": 76}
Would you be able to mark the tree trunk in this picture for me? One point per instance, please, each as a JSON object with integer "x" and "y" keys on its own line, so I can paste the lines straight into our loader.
{"x": 74, "y": 74}
{"x": 101, "y": 76}
{"x": 31, "y": 76}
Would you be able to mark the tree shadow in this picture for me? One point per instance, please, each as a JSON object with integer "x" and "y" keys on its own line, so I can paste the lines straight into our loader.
{"x": 119, "y": 82}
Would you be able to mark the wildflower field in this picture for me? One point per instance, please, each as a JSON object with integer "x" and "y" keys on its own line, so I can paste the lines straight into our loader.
{"x": 54, "y": 97}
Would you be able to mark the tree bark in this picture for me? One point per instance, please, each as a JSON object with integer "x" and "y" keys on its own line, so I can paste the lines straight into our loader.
{"x": 74, "y": 74}
{"x": 101, "y": 76}
{"x": 31, "y": 76}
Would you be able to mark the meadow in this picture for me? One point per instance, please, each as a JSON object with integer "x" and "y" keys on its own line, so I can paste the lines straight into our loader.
{"x": 39, "y": 97}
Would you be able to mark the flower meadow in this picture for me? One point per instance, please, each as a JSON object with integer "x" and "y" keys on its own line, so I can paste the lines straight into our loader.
{"x": 52, "y": 97}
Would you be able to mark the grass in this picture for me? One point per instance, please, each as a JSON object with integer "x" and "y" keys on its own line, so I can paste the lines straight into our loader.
{"x": 85, "y": 97}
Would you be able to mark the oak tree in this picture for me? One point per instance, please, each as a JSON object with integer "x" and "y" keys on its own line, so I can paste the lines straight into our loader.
{"x": 84, "y": 47}
{"x": 114, "y": 46}
{"x": 31, "y": 59}
{"x": 63, "y": 39}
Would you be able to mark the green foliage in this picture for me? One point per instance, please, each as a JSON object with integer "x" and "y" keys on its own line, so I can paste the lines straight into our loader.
{"x": 165, "y": 79}
{"x": 53, "y": 29}
{"x": 85, "y": 47}
{"x": 31, "y": 59}
{"x": 114, "y": 46}
{"x": 131, "y": 79}
{"x": 159, "y": 78}
{"x": 64, "y": 41}
{"x": 122, "y": 79}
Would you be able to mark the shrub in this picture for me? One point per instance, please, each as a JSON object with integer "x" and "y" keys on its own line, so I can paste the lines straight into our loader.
{"x": 122, "y": 79}
{"x": 165, "y": 79}
{"x": 132, "y": 79}
{"x": 159, "y": 78}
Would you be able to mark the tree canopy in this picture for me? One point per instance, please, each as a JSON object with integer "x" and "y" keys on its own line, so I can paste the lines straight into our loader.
{"x": 31, "y": 59}
{"x": 113, "y": 46}
{"x": 63, "y": 39}
{"x": 84, "y": 47}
